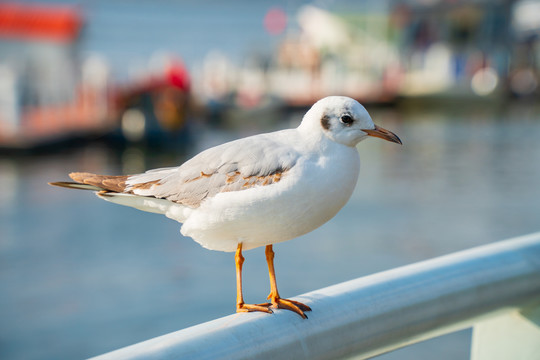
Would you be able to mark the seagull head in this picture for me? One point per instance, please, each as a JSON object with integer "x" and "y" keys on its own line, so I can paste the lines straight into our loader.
{"x": 345, "y": 121}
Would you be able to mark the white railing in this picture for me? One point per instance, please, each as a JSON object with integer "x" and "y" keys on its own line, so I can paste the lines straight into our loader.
{"x": 494, "y": 288}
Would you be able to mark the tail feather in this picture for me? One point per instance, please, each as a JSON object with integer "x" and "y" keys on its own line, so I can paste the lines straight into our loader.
{"x": 144, "y": 203}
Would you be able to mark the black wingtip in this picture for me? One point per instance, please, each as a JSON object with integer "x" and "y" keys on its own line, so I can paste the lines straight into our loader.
{"x": 65, "y": 184}
{"x": 74, "y": 185}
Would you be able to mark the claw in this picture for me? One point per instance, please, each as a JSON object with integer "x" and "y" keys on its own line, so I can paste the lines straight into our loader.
{"x": 302, "y": 307}
{"x": 253, "y": 307}
{"x": 291, "y": 305}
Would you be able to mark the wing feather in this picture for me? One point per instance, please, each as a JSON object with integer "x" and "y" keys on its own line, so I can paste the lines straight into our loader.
{"x": 242, "y": 164}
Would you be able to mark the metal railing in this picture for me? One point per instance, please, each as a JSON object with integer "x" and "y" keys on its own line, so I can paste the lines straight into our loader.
{"x": 493, "y": 288}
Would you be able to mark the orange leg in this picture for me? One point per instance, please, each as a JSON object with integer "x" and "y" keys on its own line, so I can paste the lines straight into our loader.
{"x": 240, "y": 305}
{"x": 276, "y": 300}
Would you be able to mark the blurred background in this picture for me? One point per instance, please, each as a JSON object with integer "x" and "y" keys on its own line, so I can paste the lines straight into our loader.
{"x": 115, "y": 86}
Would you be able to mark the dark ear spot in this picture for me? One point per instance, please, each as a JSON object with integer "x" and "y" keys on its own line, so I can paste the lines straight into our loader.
{"x": 325, "y": 122}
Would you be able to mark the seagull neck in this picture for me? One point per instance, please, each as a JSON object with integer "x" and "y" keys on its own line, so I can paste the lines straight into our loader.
{"x": 314, "y": 140}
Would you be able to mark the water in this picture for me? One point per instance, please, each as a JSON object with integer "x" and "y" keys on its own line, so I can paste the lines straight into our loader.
{"x": 79, "y": 276}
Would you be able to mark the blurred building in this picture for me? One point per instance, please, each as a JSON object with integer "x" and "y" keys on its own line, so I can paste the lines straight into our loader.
{"x": 418, "y": 49}
{"x": 524, "y": 73}
{"x": 463, "y": 48}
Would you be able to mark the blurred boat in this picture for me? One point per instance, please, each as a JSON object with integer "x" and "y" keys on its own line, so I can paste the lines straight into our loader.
{"x": 467, "y": 50}
{"x": 48, "y": 95}
{"x": 153, "y": 108}
{"x": 326, "y": 54}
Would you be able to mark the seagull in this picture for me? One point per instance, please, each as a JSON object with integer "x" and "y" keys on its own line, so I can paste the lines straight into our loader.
{"x": 255, "y": 191}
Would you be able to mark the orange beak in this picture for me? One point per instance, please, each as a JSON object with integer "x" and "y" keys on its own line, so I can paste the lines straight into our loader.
{"x": 383, "y": 134}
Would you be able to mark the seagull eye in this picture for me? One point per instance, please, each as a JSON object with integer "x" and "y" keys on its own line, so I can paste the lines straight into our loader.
{"x": 347, "y": 119}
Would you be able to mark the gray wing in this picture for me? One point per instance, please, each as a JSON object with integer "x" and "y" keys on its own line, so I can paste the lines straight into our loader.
{"x": 238, "y": 165}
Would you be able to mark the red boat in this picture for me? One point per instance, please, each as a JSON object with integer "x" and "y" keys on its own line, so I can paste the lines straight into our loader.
{"x": 48, "y": 94}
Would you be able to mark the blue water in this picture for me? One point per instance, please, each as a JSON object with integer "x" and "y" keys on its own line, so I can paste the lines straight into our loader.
{"x": 79, "y": 276}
